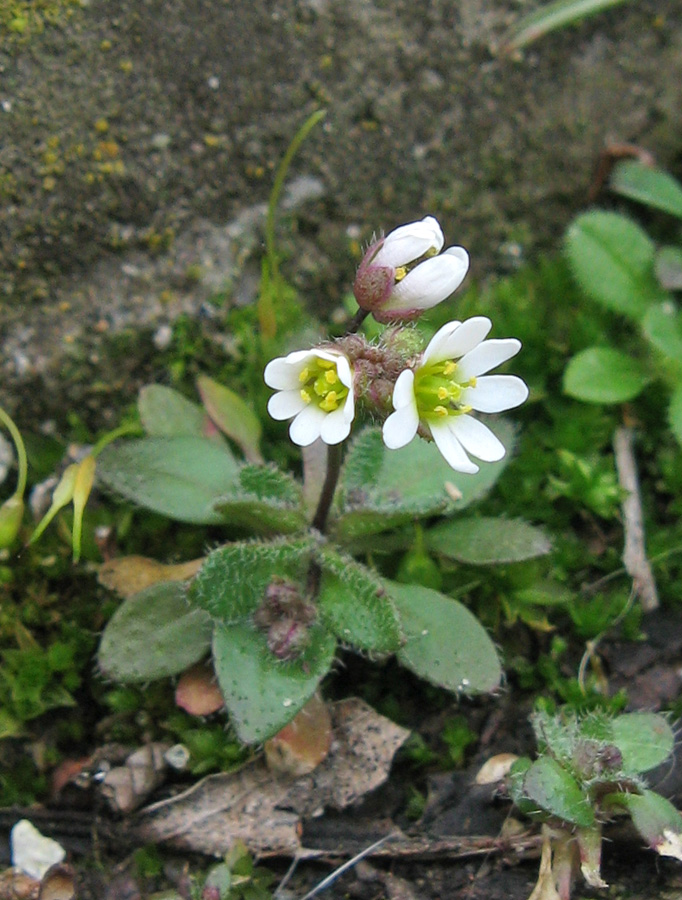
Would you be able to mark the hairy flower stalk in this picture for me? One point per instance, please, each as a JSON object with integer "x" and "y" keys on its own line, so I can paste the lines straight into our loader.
{"x": 446, "y": 385}
{"x": 405, "y": 273}
{"x": 315, "y": 388}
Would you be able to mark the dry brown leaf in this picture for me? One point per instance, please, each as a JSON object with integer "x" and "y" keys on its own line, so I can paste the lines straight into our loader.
{"x": 265, "y": 811}
{"x": 128, "y": 575}
{"x": 301, "y": 745}
{"x": 59, "y": 883}
{"x": 197, "y": 691}
{"x": 126, "y": 787}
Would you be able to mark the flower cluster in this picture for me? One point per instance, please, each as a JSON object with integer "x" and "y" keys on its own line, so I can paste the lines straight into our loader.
{"x": 435, "y": 392}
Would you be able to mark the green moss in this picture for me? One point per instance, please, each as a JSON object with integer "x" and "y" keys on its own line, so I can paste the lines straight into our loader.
{"x": 20, "y": 19}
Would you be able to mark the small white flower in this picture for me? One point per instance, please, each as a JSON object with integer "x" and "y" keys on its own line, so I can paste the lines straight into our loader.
{"x": 447, "y": 384}
{"x": 316, "y": 389}
{"x": 405, "y": 273}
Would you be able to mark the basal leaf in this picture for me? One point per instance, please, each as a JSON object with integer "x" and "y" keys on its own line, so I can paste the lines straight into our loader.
{"x": 644, "y": 738}
{"x": 488, "y": 540}
{"x": 648, "y": 184}
{"x": 613, "y": 260}
{"x": 265, "y": 500}
{"x": 444, "y": 642}
{"x": 355, "y": 606}
{"x": 668, "y": 267}
{"x": 675, "y": 413}
{"x": 604, "y": 375}
{"x": 233, "y": 416}
{"x": 164, "y": 412}
{"x": 657, "y": 820}
{"x": 180, "y": 477}
{"x": 662, "y": 327}
{"x": 263, "y": 693}
{"x": 232, "y": 582}
{"x": 555, "y": 791}
{"x": 154, "y": 634}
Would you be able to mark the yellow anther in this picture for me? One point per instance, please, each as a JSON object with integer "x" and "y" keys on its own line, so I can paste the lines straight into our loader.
{"x": 330, "y": 402}
{"x": 400, "y": 273}
{"x": 443, "y": 393}
{"x": 471, "y": 382}
{"x": 304, "y": 374}
{"x": 440, "y": 411}
{"x": 465, "y": 409}
{"x": 305, "y": 396}
{"x": 325, "y": 363}
{"x": 449, "y": 367}
{"x": 330, "y": 376}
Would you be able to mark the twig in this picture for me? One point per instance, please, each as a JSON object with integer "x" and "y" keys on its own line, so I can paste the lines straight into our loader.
{"x": 634, "y": 552}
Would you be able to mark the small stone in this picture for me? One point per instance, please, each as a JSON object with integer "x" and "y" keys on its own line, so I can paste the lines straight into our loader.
{"x": 162, "y": 337}
{"x": 32, "y": 852}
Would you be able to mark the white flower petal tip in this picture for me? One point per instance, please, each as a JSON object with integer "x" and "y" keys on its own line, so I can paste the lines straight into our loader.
{"x": 315, "y": 388}
{"x": 403, "y": 274}
{"x": 445, "y": 387}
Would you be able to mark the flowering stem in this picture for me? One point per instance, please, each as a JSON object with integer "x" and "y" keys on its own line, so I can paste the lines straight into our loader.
{"x": 334, "y": 456}
{"x": 357, "y": 321}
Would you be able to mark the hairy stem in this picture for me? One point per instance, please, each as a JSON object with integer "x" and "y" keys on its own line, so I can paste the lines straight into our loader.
{"x": 334, "y": 456}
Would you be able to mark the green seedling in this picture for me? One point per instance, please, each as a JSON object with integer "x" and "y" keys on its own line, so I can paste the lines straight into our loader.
{"x": 590, "y": 770}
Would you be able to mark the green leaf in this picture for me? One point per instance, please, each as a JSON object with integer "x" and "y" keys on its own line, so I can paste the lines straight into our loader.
{"x": 233, "y": 416}
{"x": 154, "y": 634}
{"x": 656, "y": 819}
{"x": 180, "y": 477}
{"x": 549, "y": 17}
{"x": 444, "y": 642}
{"x": 613, "y": 261}
{"x": 262, "y": 693}
{"x": 382, "y": 489}
{"x": 648, "y": 184}
{"x": 265, "y": 500}
{"x": 232, "y": 582}
{"x": 488, "y": 540}
{"x": 644, "y": 738}
{"x": 675, "y": 413}
{"x": 604, "y": 375}
{"x": 355, "y": 606}
{"x": 668, "y": 267}
{"x": 164, "y": 412}
{"x": 555, "y": 791}
{"x": 662, "y": 327}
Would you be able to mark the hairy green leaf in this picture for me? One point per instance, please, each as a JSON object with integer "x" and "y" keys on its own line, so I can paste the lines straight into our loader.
{"x": 264, "y": 500}
{"x": 604, "y": 375}
{"x": 444, "y": 642}
{"x": 648, "y": 184}
{"x": 657, "y": 820}
{"x": 233, "y": 416}
{"x": 675, "y": 413}
{"x": 180, "y": 477}
{"x": 662, "y": 327}
{"x": 612, "y": 258}
{"x": 644, "y": 738}
{"x": 165, "y": 412}
{"x": 263, "y": 693}
{"x": 154, "y": 634}
{"x": 555, "y": 791}
{"x": 488, "y": 540}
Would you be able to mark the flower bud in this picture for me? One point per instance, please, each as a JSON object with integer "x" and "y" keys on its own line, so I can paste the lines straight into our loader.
{"x": 11, "y": 514}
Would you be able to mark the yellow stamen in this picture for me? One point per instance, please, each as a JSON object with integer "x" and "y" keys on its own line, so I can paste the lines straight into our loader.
{"x": 449, "y": 367}
{"x": 324, "y": 363}
{"x": 305, "y": 396}
{"x": 400, "y": 273}
{"x": 330, "y": 376}
{"x": 443, "y": 393}
{"x": 304, "y": 375}
{"x": 330, "y": 402}
{"x": 440, "y": 411}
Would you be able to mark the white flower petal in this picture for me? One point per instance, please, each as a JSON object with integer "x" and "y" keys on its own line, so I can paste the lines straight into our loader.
{"x": 438, "y": 341}
{"x": 405, "y": 244}
{"x": 428, "y": 283}
{"x": 335, "y": 426}
{"x": 477, "y": 438}
{"x": 401, "y": 426}
{"x": 403, "y": 390}
{"x": 486, "y": 356}
{"x": 307, "y": 425}
{"x": 450, "y": 447}
{"x": 470, "y": 333}
{"x": 285, "y": 404}
{"x": 495, "y": 393}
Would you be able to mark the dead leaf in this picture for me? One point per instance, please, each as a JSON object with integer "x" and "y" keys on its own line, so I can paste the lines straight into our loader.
{"x": 126, "y": 787}
{"x": 128, "y": 575}
{"x": 265, "y": 811}
{"x": 58, "y": 883}
{"x": 197, "y": 691}
{"x": 300, "y": 746}
{"x": 496, "y": 768}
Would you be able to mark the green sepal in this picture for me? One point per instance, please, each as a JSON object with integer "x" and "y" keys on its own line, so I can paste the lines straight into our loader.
{"x": 265, "y": 500}
{"x": 232, "y": 582}
{"x": 487, "y": 540}
{"x": 180, "y": 477}
{"x": 154, "y": 634}
{"x": 555, "y": 791}
{"x": 444, "y": 642}
{"x": 262, "y": 693}
{"x": 354, "y": 604}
